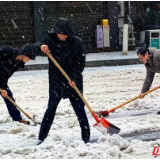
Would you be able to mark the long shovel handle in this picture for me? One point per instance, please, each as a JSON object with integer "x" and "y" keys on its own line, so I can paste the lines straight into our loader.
{"x": 68, "y": 78}
{"x": 19, "y": 107}
{"x": 113, "y": 109}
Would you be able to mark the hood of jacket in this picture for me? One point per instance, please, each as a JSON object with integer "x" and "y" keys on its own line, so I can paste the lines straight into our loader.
{"x": 63, "y": 26}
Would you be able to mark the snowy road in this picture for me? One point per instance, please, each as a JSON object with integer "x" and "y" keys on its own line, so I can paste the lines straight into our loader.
{"x": 104, "y": 88}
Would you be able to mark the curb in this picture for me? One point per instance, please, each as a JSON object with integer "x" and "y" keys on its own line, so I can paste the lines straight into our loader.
{"x": 118, "y": 62}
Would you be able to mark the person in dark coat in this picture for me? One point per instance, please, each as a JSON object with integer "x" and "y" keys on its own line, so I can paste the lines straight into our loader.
{"x": 69, "y": 52}
{"x": 151, "y": 59}
{"x": 11, "y": 60}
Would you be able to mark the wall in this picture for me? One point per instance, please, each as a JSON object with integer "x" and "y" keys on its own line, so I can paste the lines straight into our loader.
{"x": 16, "y": 23}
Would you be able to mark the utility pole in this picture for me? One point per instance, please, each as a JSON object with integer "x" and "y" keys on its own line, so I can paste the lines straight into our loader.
{"x": 125, "y": 29}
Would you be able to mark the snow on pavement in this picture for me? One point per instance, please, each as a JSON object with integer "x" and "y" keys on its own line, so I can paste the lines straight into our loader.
{"x": 104, "y": 88}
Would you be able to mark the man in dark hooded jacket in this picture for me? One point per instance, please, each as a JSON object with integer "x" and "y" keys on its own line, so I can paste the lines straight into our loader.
{"x": 69, "y": 52}
{"x": 11, "y": 60}
{"x": 151, "y": 59}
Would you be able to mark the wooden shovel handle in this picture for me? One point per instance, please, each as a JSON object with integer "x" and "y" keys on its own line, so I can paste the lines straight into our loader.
{"x": 68, "y": 78}
{"x": 18, "y": 106}
{"x": 133, "y": 99}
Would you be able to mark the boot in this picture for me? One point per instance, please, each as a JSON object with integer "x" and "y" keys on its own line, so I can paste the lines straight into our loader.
{"x": 23, "y": 121}
{"x": 86, "y": 141}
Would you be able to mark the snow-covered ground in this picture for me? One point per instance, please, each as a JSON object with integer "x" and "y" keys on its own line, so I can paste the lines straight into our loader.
{"x": 104, "y": 88}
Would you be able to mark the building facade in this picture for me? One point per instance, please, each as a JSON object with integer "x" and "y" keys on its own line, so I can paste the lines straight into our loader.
{"x": 28, "y": 21}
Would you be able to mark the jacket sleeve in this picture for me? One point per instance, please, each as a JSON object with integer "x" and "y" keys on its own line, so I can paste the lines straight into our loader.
{"x": 6, "y": 52}
{"x": 3, "y": 83}
{"x": 79, "y": 62}
{"x": 148, "y": 81}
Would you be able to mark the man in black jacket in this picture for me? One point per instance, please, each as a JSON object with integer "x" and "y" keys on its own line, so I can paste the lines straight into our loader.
{"x": 11, "y": 60}
{"x": 69, "y": 52}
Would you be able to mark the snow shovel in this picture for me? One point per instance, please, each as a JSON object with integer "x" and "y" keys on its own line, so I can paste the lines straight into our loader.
{"x": 105, "y": 113}
{"x": 20, "y": 109}
{"x": 102, "y": 125}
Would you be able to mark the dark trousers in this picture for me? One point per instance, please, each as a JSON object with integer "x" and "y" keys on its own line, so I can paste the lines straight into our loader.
{"x": 49, "y": 115}
{"x": 13, "y": 111}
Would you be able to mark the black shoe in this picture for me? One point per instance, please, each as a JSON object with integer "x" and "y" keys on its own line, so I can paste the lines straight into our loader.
{"x": 86, "y": 141}
{"x": 158, "y": 112}
{"x": 39, "y": 142}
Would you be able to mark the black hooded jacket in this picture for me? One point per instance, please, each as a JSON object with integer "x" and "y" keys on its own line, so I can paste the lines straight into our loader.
{"x": 70, "y": 54}
{"x": 8, "y": 63}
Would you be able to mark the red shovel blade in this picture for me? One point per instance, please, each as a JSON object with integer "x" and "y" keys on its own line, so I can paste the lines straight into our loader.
{"x": 105, "y": 127}
{"x": 105, "y": 113}
{"x": 102, "y": 113}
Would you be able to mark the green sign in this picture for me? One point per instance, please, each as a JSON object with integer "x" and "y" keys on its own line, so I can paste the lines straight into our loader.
{"x": 155, "y": 43}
